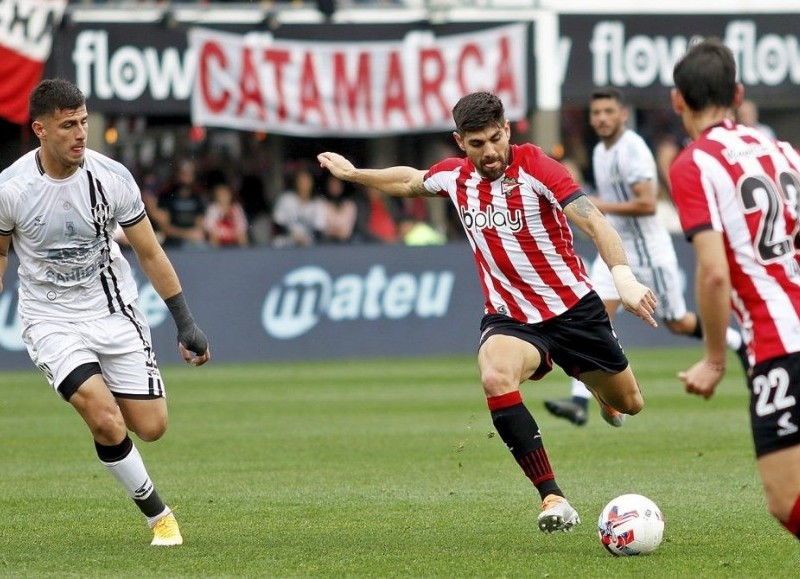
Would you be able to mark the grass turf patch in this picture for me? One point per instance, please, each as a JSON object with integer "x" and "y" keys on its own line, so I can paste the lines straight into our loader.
{"x": 382, "y": 468}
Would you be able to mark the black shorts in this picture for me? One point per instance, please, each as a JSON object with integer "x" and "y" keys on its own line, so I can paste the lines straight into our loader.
{"x": 579, "y": 340}
{"x": 775, "y": 404}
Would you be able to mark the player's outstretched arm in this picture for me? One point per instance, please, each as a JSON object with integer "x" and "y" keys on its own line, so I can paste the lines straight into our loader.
{"x": 192, "y": 341}
{"x": 399, "y": 181}
{"x": 635, "y": 297}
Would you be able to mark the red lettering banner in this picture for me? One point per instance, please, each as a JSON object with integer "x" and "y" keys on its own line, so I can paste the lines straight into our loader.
{"x": 258, "y": 83}
{"x": 26, "y": 37}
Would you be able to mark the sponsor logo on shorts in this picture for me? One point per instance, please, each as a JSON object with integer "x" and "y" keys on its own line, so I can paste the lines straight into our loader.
{"x": 787, "y": 427}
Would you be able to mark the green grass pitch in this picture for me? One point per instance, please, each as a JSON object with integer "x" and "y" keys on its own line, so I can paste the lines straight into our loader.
{"x": 383, "y": 468}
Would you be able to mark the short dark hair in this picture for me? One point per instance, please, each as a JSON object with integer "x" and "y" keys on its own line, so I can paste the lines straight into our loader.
{"x": 52, "y": 95}
{"x": 609, "y": 92}
{"x": 706, "y": 75}
{"x": 478, "y": 110}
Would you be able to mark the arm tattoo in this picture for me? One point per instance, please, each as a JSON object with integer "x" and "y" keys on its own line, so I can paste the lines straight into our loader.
{"x": 583, "y": 207}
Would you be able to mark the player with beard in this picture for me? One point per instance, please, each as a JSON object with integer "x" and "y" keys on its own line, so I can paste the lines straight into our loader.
{"x": 540, "y": 309}
{"x": 61, "y": 204}
{"x": 627, "y": 189}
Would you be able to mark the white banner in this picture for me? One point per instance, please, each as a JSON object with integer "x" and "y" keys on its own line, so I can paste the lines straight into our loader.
{"x": 255, "y": 82}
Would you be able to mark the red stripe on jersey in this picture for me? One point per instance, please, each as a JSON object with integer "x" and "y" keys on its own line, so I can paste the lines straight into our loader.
{"x": 560, "y": 185}
{"x": 768, "y": 340}
{"x": 500, "y": 257}
{"x": 557, "y": 228}
{"x": 461, "y": 200}
{"x": 485, "y": 274}
{"x": 534, "y": 254}
{"x": 733, "y": 180}
{"x": 520, "y": 238}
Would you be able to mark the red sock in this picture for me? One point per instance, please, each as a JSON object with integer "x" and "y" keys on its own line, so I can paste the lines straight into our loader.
{"x": 793, "y": 524}
{"x": 504, "y": 400}
{"x": 536, "y": 466}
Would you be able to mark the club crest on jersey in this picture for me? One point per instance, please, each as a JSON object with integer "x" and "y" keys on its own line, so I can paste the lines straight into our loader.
{"x": 101, "y": 213}
{"x": 507, "y": 186}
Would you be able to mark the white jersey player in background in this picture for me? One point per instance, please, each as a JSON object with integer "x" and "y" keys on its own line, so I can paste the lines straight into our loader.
{"x": 60, "y": 205}
{"x": 627, "y": 188}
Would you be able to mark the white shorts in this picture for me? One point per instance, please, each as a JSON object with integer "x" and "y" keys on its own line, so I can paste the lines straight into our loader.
{"x": 666, "y": 281}
{"x": 119, "y": 343}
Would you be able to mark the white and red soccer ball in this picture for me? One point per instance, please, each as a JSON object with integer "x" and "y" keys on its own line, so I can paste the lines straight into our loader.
{"x": 631, "y": 525}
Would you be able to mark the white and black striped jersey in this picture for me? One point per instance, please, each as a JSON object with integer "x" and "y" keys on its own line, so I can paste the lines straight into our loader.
{"x": 62, "y": 231}
{"x": 617, "y": 168}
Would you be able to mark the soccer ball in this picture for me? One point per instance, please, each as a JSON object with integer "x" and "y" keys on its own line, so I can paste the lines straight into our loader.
{"x": 631, "y": 525}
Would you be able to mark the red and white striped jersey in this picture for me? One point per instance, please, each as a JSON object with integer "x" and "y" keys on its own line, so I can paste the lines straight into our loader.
{"x": 519, "y": 235}
{"x": 734, "y": 180}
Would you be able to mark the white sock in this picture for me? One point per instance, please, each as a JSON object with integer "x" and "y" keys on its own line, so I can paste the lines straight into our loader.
{"x": 580, "y": 390}
{"x": 153, "y": 520}
{"x": 131, "y": 474}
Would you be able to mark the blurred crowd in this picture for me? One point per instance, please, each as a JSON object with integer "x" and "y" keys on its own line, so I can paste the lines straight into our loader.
{"x": 200, "y": 205}
{"x": 217, "y": 196}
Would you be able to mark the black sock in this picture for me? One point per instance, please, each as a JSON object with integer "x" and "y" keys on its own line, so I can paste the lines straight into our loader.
{"x": 114, "y": 453}
{"x": 698, "y": 329}
{"x": 519, "y": 431}
{"x": 152, "y": 505}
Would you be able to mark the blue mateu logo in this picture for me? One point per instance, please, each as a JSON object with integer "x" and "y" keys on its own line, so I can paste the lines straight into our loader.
{"x": 309, "y": 293}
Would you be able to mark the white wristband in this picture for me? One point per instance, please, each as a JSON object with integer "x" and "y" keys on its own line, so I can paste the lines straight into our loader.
{"x": 629, "y": 289}
{"x": 622, "y": 274}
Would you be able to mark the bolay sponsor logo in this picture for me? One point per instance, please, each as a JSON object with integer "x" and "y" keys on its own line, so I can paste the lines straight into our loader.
{"x": 491, "y": 218}
{"x": 130, "y": 72}
{"x": 309, "y": 294}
